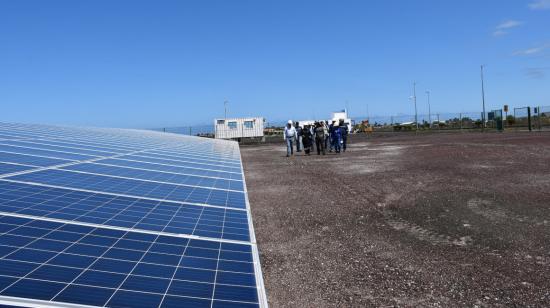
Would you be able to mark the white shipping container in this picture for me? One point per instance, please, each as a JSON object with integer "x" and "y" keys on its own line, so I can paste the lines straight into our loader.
{"x": 239, "y": 128}
{"x": 342, "y": 115}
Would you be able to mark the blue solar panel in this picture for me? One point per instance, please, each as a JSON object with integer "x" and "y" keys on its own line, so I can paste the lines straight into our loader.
{"x": 125, "y": 212}
{"x": 188, "y": 163}
{"x": 42, "y": 146}
{"x": 133, "y": 187}
{"x": 124, "y": 218}
{"x": 7, "y": 137}
{"x": 95, "y": 266}
{"x": 45, "y": 153}
{"x": 86, "y": 146}
{"x": 30, "y": 160}
{"x": 197, "y": 157}
{"x": 151, "y": 175}
{"x": 10, "y": 168}
{"x": 170, "y": 168}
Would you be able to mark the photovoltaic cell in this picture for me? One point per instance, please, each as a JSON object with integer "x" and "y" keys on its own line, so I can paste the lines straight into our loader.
{"x": 197, "y": 157}
{"x": 114, "y": 150}
{"x": 93, "y": 266}
{"x": 10, "y": 168}
{"x": 42, "y": 146}
{"x": 184, "y": 163}
{"x": 124, "y": 212}
{"x": 46, "y": 153}
{"x": 31, "y": 160}
{"x": 209, "y": 150}
{"x": 160, "y": 176}
{"x": 170, "y": 168}
{"x": 137, "y": 188}
{"x": 124, "y": 218}
{"x": 7, "y": 137}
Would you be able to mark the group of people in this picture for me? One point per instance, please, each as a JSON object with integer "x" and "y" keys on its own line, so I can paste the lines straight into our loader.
{"x": 333, "y": 136}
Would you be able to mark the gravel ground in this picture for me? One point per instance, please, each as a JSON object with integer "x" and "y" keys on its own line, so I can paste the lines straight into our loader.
{"x": 439, "y": 220}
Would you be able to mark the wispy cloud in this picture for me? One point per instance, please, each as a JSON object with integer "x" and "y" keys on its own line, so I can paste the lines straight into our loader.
{"x": 536, "y": 72}
{"x": 509, "y": 24}
{"x": 531, "y": 51}
{"x": 540, "y": 5}
{"x": 502, "y": 28}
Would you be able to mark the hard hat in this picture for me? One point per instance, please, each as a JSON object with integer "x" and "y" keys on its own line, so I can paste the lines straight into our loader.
{"x": 290, "y": 122}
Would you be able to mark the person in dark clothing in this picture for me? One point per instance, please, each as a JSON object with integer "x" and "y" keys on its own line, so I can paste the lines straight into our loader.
{"x": 327, "y": 133}
{"x": 298, "y": 137}
{"x": 344, "y": 132}
{"x": 320, "y": 138}
{"x": 307, "y": 139}
{"x": 336, "y": 137}
{"x": 312, "y": 130}
{"x": 330, "y": 135}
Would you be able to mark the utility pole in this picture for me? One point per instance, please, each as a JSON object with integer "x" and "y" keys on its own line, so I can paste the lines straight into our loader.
{"x": 415, "y": 110}
{"x": 429, "y": 110}
{"x": 483, "y": 100}
{"x": 225, "y": 109}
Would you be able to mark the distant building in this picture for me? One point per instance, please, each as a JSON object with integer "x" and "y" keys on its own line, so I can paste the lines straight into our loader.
{"x": 303, "y": 123}
{"x": 237, "y": 128}
{"x": 342, "y": 115}
{"x": 336, "y": 116}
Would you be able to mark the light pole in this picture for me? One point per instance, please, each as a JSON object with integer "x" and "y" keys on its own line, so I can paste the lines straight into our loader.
{"x": 225, "y": 109}
{"x": 483, "y": 100}
{"x": 429, "y": 109}
{"x": 415, "y": 110}
{"x": 413, "y": 98}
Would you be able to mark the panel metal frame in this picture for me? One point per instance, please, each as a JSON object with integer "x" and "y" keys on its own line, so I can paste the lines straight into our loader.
{"x": 149, "y": 144}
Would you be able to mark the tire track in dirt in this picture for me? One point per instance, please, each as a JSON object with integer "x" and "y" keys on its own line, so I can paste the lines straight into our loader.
{"x": 410, "y": 228}
{"x": 490, "y": 211}
{"x": 424, "y": 234}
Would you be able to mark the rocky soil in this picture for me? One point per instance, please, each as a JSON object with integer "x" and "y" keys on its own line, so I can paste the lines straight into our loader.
{"x": 438, "y": 220}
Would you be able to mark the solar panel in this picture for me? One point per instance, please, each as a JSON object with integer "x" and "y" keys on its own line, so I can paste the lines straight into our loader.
{"x": 124, "y": 218}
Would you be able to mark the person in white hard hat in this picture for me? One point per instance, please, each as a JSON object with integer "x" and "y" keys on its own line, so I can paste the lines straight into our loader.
{"x": 290, "y": 138}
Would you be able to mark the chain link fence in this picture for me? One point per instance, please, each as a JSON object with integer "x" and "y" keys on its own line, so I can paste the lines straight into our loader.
{"x": 196, "y": 130}
{"x": 542, "y": 117}
{"x": 435, "y": 121}
{"x": 520, "y": 118}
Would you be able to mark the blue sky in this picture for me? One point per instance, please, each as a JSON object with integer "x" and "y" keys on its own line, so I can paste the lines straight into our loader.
{"x": 171, "y": 63}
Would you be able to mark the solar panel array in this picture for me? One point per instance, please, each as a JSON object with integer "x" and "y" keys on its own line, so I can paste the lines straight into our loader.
{"x": 124, "y": 218}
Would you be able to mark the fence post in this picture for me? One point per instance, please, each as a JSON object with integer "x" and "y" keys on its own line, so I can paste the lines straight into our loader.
{"x": 460, "y": 119}
{"x": 538, "y": 118}
{"x": 483, "y": 121}
{"x": 529, "y": 118}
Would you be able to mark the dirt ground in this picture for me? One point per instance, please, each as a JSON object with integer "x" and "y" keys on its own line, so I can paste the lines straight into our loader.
{"x": 439, "y": 220}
